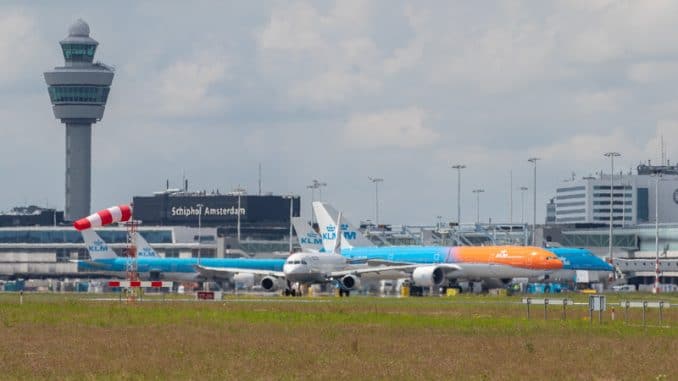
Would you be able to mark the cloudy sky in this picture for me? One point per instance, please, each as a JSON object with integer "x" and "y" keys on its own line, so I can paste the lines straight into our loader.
{"x": 340, "y": 91}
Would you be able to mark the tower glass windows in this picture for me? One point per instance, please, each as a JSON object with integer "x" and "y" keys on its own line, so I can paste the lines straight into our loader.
{"x": 78, "y": 94}
{"x": 78, "y": 52}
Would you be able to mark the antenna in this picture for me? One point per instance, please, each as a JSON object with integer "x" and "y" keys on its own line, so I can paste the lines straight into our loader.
{"x": 661, "y": 146}
{"x": 259, "y": 179}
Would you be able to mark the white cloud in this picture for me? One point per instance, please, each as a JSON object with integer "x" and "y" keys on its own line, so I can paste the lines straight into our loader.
{"x": 390, "y": 128}
{"x": 588, "y": 148}
{"x": 653, "y": 71}
{"x": 325, "y": 58}
{"x": 186, "y": 87}
{"x": 20, "y": 46}
{"x": 293, "y": 28}
{"x": 599, "y": 101}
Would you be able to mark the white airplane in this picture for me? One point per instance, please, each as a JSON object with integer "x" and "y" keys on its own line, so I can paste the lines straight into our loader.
{"x": 307, "y": 268}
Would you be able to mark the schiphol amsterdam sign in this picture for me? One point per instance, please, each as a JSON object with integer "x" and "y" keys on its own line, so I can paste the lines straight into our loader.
{"x": 207, "y": 211}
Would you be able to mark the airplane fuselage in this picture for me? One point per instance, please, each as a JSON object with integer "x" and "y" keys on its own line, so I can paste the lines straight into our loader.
{"x": 476, "y": 262}
{"x": 311, "y": 268}
{"x": 177, "y": 269}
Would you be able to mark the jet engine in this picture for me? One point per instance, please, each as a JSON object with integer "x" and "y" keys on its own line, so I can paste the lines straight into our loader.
{"x": 350, "y": 282}
{"x": 427, "y": 276}
{"x": 270, "y": 283}
{"x": 155, "y": 274}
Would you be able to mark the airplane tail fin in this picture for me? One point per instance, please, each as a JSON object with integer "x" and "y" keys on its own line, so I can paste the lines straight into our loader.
{"x": 326, "y": 225}
{"x": 351, "y": 235}
{"x": 338, "y": 237}
{"x": 308, "y": 239}
{"x": 98, "y": 249}
{"x": 143, "y": 248}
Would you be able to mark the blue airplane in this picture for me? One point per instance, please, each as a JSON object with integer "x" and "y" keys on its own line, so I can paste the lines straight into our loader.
{"x": 152, "y": 267}
{"x": 580, "y": 259}
{"x": 355, "y": 245}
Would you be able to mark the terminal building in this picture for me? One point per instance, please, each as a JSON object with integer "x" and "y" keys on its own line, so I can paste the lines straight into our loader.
{"x": 37, "y": 242}
{"x": 633, "y": 199}
{"x": 582, "y": 217}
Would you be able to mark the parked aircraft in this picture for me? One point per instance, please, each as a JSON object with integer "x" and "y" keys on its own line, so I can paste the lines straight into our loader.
{"x": 312, "y": 268}
{"x": 104, "y": 260}
{"x": 437, "y": 264}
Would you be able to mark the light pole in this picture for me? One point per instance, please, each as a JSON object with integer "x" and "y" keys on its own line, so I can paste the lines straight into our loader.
{"x": 318, "y": 185}
{"x": 533, "y": 160}
{"x": 478, "y": 192}
{"x": 312, "y": 187}
{"x": 458, "y": 167}
{"x": 522, "y": 204}
{"x": 655, "y": 289}
{"x": 611, "y": 155}
{"x": 315, "y": 184}
{"x": 239, "y": 191}
{"x": 200, "y": 206}
{"x": 291, "y": 198}
{"x": 376, "y": 181}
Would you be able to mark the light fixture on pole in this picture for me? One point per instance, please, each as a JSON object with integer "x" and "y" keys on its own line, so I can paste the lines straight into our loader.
{"x": 458, "y": 167}
{"x": 533, "y": 160}
{"x": 291, "y": 198}
{"x": 478, "y": 192}
{"x": 200, "y": 206}
{"x": 318, "y": 185}
{"x": 376, "y": 181}
{"x": 611, "y": 155}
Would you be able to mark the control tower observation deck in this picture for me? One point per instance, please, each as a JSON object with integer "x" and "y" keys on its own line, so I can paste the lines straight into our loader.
{"x": 79, "y": 91}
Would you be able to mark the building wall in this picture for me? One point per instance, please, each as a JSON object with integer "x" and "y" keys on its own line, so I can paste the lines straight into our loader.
{"x": 588, "y": 200}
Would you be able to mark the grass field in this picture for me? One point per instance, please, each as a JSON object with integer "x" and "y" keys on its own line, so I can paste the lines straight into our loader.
{"x": 466, "y": 337}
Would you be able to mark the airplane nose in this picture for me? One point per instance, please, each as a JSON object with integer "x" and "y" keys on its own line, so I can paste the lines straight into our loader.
{"x": 554, "y": 264}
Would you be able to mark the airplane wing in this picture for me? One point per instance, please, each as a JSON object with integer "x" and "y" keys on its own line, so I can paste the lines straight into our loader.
{"x": 227, "y": 272}
{"x": 372, "y": 270}
{"x": 447, "y": 267}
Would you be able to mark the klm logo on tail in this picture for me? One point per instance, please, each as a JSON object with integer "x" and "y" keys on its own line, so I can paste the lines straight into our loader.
{"x": 98, "y": 246}
{"x": 331, "y": 233}
{"x": 310, "y": 239}
{"x": 146, "y": 252}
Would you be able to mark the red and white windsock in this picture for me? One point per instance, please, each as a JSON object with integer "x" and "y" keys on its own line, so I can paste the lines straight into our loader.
{"x": 120, "y": 213}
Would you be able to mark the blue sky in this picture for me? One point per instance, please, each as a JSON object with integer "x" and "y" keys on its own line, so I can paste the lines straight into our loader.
{"x": 340, "y": 91}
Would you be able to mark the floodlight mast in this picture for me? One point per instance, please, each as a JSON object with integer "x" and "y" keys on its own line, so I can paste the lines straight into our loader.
{"x": 459, "y": 167}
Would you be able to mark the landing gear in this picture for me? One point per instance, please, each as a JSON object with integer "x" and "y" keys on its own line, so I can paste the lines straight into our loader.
{"x": 343, "y": 293}
{"x": 292, "y": 290}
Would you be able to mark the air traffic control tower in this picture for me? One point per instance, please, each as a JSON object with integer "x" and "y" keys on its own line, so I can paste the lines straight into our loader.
{"x": 78, "y": 92}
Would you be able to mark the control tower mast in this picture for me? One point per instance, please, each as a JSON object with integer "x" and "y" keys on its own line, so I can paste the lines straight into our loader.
{"x": 78, "y": 92}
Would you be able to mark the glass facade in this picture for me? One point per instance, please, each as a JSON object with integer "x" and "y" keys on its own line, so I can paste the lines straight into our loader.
{"x": 643, "y": 208}
{"x": 78, "y": 52}
{"x": 73, "y": 236}
{"x": 599, "y": 240}
{"x": 78, "y": 94}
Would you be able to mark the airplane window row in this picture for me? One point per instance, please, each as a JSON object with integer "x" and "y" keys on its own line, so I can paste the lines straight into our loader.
{"x": 296, "y": 262}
